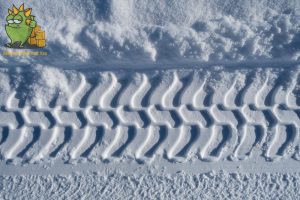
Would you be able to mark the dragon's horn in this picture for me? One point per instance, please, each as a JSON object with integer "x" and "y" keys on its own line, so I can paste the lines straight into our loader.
{"x": 21, "y": 8}
{"x": 27, "y": 12}
{"x": 10, "y": 11}
{"x": 15, "y": 10}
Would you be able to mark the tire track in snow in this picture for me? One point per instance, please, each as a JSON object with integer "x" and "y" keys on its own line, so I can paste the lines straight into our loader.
{"x": 176, "y": 115}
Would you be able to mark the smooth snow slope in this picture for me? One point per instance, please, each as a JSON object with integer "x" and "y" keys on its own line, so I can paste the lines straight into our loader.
{"x": 113, "y": 31}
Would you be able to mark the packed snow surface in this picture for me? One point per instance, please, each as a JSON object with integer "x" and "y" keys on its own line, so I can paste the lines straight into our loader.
{"x": 152, "y": 186}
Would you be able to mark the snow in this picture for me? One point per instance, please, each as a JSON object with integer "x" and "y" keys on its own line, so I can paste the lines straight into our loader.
{"x": 153, "y": 99}
{"x": 104, "y": 32}
{"x": 50, "y": 81}
{"x": 152, "y": 186}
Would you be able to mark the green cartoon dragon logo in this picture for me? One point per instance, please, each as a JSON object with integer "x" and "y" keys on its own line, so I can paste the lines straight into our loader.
{"x": 22, "y": 29}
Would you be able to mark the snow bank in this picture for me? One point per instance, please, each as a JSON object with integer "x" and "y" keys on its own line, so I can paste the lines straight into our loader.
{"x": 103, "y": 31}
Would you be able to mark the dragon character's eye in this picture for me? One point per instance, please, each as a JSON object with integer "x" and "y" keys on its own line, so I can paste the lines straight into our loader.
{"x": 10, "y": 21}
{"x": 17, "y": 21}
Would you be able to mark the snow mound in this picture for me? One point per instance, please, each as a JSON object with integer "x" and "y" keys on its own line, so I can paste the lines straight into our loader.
{"x": 102, "y": 32}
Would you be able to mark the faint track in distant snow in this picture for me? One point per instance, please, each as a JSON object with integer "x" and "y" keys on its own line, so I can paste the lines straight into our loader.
{"x": 180, "y": 115}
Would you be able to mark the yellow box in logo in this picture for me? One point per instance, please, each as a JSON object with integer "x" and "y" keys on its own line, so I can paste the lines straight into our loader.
{"x": 37, "y": 29}
{"x": 40, "y": 35}
{"x": 41, "y": 43}
{"x": 32, "y": 41}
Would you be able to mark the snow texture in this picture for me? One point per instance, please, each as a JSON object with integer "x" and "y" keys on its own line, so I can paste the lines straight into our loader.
{"x": 221, "y": 185}
{"x": 153, "y": 99}
{"x": 118, "y": 31}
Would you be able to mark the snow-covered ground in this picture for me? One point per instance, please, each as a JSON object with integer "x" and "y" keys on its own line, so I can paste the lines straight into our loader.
{"x": 153, "y": 99}
{"x": 135, "y": 31}
{"x": 154, "y": 186}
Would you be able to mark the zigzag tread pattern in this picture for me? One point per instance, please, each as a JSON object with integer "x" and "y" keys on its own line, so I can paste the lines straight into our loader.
{"x": 178, "y": 115}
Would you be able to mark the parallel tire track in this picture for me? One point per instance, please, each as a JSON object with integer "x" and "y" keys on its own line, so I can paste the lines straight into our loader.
{"x": 178, "y": 115}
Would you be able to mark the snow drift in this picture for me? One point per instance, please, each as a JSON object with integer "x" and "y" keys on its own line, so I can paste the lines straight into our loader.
{"x": 98, "y": 32}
